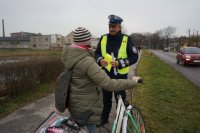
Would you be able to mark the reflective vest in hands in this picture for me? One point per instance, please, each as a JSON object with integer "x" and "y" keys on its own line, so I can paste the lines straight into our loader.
{"x": 122, "y": 54}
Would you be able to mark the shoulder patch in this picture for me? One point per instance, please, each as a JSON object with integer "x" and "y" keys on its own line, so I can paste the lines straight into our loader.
{"x": 127, "y": 62}
{"x": 134, "y": 50}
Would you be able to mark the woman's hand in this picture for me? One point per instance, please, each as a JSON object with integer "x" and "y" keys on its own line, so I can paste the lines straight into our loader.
{"x": 136, "y": 78}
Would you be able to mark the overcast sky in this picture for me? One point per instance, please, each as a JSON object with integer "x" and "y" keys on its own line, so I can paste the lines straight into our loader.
{"x": 63, "y": 16}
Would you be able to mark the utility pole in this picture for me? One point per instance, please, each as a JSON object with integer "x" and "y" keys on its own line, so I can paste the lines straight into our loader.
{"x": 179, "y": 44}
{"x": 149, "y": 42}
{"x": 3, "y": 28}
{"x": 193, "y": 32}
{"x": 167, "y": 41}
{"x": 197, "y": 39}
{"x": 189, "y": 37}
{"x": 189, "y": 32}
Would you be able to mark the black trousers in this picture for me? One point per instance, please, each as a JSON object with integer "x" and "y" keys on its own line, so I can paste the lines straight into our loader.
{"x": 107, "y": 102}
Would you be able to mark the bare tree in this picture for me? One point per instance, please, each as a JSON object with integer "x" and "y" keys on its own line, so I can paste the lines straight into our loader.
{"x": 160, "y": 33}
{"x": 166, "y": 33}
{"x": 154, "y": 40}
{"x": 169, "y": 31}
{"x": 138, "y": 39}
{"x": 193, "y": 39}
{"x": 148, "y": 38}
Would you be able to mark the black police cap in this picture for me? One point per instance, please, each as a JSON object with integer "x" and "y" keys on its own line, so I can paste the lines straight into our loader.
{"x": 114, "y": 19}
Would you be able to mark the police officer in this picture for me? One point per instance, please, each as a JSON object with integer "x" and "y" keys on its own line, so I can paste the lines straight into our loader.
{"x": 124, "y": 54}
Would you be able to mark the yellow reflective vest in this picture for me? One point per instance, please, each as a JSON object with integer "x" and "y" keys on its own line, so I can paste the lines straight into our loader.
{"x": 121, "y": 54}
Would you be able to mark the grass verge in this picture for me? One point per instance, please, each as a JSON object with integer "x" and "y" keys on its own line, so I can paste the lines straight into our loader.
{"x": 9, "y": 105}
{"x": 168, "y": 101}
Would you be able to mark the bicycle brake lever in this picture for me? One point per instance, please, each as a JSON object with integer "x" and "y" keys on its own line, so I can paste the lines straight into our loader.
{"x": 140, "y": 81}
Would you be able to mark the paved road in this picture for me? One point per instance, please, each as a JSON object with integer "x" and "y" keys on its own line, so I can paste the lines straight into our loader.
{"x": 190, "y": 72}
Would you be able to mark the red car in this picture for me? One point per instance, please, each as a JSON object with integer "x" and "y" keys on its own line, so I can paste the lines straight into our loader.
{"x": 188, "y": 55}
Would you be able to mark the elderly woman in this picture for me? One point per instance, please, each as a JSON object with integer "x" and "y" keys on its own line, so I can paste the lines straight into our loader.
{"x": 88, "y": 79}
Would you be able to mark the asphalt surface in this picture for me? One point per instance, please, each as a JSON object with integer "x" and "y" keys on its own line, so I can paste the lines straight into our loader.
{"x": 29, "y": 117}
{"x": 191, "y": 72}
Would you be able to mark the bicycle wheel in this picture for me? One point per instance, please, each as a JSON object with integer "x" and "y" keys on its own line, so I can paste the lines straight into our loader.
{"x": 137, "y": 116}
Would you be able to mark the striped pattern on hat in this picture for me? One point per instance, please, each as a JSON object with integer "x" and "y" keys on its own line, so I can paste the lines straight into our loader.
{"x": 81, "y": 35}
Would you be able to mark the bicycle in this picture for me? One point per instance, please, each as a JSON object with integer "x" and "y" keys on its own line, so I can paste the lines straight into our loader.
{"x": 135, "y": 123}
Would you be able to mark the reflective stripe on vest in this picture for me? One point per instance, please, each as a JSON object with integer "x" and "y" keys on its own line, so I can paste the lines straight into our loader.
{"x": 103, "y": 46}
{"x": 121, "y": 54}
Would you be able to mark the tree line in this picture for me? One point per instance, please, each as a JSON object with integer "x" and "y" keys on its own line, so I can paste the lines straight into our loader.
{"x": 165, "y": 38}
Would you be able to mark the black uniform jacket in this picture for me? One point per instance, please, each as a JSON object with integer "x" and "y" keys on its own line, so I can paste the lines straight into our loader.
{"x": 113, "y": 45}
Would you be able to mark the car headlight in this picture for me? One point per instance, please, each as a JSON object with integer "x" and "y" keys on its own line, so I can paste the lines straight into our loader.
{"x": 187, "y": 56}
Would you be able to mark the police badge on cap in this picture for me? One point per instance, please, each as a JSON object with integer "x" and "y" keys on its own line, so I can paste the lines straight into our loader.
{"x": 114, "y": 19}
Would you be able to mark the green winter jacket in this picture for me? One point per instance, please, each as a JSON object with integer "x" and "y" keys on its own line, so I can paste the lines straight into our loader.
{"x": 86, "y": 83}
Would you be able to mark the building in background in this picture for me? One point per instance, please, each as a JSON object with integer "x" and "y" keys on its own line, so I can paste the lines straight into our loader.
{"x": 33, "y": 41}
{"x": 22, "y": 34}
{"x": 69, "y": 40}
{"x": 57, "y": 42}
{"x": 51, "y": 42}
{"x": 94, "y": 41}
{"x": 40, "y": 41}
{"x": 15, "y": 42}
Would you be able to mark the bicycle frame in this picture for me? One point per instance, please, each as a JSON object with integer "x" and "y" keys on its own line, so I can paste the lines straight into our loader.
{"x": 122, "y": 115}
{"x": 125, "y": 126}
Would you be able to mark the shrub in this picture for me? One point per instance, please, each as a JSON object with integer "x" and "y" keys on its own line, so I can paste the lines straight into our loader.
{"x": 21, "y": 77}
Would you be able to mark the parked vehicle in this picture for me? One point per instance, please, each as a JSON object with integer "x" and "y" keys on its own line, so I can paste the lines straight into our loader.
{"x": 188, "y": 55}
{"x": 166, "y": 50}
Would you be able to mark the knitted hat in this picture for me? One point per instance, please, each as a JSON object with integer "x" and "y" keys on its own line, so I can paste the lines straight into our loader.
{"x": 81, "y": 35}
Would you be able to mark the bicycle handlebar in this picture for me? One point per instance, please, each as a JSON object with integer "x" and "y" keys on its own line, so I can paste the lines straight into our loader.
{"x": 140, "y": 81}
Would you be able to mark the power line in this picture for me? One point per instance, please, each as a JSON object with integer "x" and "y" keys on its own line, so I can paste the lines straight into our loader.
{"x": 101, "y": 10}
